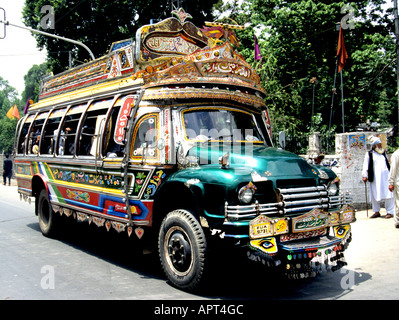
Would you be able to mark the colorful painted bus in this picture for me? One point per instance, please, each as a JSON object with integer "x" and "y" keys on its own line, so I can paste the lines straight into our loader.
{"x": 168, "y": 136}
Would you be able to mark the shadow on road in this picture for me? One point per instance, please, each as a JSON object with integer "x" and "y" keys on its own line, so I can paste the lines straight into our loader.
{"x": 232, "y": 277}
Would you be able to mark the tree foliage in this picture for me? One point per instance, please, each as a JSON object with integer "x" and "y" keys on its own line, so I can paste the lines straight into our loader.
{"x": 32, "y": 81}
{"x": 298, "y": 42}
{"x": 8, "y": 98}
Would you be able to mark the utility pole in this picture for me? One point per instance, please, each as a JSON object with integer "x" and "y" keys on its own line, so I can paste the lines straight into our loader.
{"x": 313, "y": 81}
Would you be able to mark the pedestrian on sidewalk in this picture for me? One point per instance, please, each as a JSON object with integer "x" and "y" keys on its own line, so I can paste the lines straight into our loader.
{"x": 393, "y": 181}
{"x": 376, "y": 171}
{"x": 7, "y": 170}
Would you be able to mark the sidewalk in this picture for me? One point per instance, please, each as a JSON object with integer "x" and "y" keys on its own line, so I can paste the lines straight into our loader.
{"x": 13, "y": 182}
{"x": 10, "y": 192}
{"x": 365, "y": 215}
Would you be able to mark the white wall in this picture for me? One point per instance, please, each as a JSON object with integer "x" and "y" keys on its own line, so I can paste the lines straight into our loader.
{"x": 350, "y": 149}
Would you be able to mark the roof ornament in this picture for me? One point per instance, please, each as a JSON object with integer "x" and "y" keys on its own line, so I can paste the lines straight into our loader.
{"x": 217, "y": 30}
{"x": 181, "y": 15}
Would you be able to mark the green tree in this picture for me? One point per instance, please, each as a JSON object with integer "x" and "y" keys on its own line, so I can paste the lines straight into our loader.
{"x": 98, "y": 23}
{"x": 7, "y": 134}
{"x": 298, "y": 41}
{"x": 8, "y": 98}
{"x": 32, "y": 81}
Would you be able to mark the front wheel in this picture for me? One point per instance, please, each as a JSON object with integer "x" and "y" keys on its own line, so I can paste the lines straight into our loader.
{"x": 46, "y": 214}
{"x": 183, "y": 249}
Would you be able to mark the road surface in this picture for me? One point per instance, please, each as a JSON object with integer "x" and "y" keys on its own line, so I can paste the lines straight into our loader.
{"x": 89, "y": 263}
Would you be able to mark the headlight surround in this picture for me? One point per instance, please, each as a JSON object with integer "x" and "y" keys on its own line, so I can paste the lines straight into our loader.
{"x": 323, "y": 174}
{"x": 332, "y": 189}
{"x": 246, "y": 194}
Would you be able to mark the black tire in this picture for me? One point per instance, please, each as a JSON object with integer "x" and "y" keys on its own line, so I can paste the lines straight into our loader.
{"x": 182, "y": 249}
{"x": 47, "y": 217}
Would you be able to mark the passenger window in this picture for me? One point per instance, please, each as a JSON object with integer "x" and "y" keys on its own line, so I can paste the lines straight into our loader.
{"x": 35, "y": 133}
{"x": 50, "y": 132}
{"x": 22, "y": 140}
{"x": 92, "y": 125}
{"x": 66, "y": 140}
{"x": 112, "y": 148}
{"x": 145, "y": 138}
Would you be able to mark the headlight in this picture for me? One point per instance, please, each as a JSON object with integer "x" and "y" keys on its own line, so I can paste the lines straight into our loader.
{"x": 333, "y": 189}
{"x": 246, "y": 193}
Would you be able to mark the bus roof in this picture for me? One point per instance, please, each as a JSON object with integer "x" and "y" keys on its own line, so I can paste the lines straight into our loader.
{"x": 171, "y": 54}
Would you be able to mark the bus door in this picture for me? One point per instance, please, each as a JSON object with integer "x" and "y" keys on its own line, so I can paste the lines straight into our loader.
{"x": 150, "y": 153}
{"x": 119, "y": 179}
{"x": 133, "y": 145}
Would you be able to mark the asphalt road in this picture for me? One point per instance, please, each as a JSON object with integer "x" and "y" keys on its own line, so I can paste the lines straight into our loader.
{"x": 89, "y": 263}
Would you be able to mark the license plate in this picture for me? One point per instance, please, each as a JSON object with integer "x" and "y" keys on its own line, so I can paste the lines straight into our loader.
{"x": 260, "y": 227}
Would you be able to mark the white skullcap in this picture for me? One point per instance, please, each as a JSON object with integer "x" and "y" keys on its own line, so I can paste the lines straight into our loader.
{"x": 374, "y": 141}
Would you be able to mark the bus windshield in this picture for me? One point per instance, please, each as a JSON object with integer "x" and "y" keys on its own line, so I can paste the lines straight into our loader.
{"x": 229, "y": 125}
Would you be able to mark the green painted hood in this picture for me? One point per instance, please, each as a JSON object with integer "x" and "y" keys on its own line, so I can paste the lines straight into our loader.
{"x": 247, "y": 162}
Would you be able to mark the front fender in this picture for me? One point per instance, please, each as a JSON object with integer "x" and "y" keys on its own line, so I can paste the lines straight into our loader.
{"x": 203, "y": 191}
{"x": 173, "y": 194}
{"x": 208, "y": 187}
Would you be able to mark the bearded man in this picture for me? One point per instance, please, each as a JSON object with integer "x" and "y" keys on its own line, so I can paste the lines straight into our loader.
{"x": 376, "y": 171}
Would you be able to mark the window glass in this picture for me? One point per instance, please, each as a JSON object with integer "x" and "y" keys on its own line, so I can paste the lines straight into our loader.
{"x": 92, "y": 125}
{"x": 145, "y": 138}
{"x": 23, "y": 134}
{"x": 114, "y": 144}
{"x": 111, "y": 147}
{"x": 50, "y": 132}
{"x": 35, "y": 133}
{"x": 66, "y": 141}
{"x": 204, "y": 124}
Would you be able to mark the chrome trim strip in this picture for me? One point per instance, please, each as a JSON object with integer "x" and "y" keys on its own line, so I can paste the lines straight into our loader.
{"x": 308, "y": 198}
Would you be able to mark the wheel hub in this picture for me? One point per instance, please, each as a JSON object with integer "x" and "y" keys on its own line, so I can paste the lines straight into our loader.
{"x": 179, "y": 251}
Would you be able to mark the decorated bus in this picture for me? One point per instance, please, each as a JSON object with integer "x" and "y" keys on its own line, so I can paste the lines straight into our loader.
{"x": 168, "y": 137}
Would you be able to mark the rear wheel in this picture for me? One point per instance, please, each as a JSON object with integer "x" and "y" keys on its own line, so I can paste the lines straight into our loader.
{"x": 182, "y": 249}
{"x": 47, "y": 216}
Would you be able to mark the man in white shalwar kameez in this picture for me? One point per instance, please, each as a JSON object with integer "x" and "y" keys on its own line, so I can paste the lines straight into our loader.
{"x": 394, "y": 184}
{"x": 377, "y": 173}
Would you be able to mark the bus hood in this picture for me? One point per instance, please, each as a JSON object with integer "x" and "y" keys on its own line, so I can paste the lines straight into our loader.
{"x": 259, "y": 161}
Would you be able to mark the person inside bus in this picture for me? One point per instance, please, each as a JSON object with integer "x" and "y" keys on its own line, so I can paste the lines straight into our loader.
{"x": 63, "y": 142}
{"x": 35, "y": 142}
{"x": 22, "y": 146}
{"x": 114, "y": 149}
{"x": 86, "y": 140}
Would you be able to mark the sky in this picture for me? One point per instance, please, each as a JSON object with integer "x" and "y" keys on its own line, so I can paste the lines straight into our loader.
{"x": 18, "y": 51}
